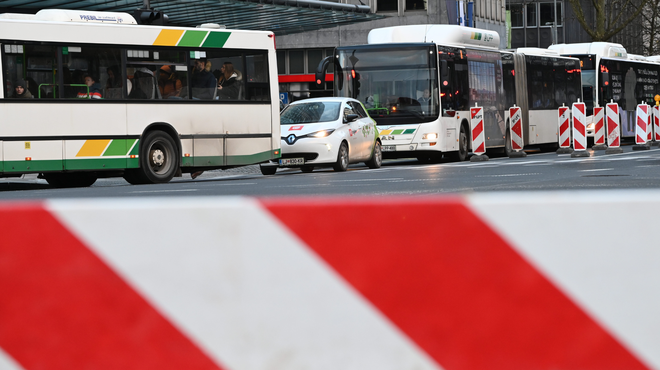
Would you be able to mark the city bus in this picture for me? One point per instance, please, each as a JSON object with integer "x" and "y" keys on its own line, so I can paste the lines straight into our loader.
{"x": 103, "y": 96}
{"x": 419, "y": 82}
{"x": 610, "y": 74}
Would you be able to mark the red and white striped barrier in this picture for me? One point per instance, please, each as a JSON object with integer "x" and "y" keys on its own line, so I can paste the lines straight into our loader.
{"x": 613, "y": 138}
{"x": 238, "y": 283}
{"x": 477, "y": 128}
{"x": 516, "y": 132}
{"x": 599, "y": 127}
{"x": 656, "y": 122}
{"x": 578, "y": 112}
{"x": 641, "y": 126}
{"x": 564, "y": 128}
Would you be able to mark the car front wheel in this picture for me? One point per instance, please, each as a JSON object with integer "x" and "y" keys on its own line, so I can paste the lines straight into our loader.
{"x": 342, "y": 158}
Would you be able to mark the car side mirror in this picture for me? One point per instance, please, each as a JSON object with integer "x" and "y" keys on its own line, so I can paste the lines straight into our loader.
{"x": 350, "y": 118}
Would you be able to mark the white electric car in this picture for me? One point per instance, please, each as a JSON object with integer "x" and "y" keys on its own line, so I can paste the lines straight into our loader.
{"x": 326, "y": 132}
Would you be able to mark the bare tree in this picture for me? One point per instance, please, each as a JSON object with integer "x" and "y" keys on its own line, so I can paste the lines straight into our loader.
{"x": 610, "y": 16}
{"x": 651, "y": 27}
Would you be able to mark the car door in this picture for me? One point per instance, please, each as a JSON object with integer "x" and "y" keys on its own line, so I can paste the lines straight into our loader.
{"x": 354, "y": 135}
{"x": 367, "y": 128}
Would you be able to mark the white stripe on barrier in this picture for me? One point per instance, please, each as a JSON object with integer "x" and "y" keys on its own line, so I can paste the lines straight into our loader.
{"x": 611, "y": 288}
{"x": 256, "y": 298}
{"x": 8, "y": 363}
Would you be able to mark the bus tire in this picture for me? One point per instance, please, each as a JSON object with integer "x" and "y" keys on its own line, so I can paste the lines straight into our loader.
{"x": 159, "y": 158}
{"x": 462, "y": 153}
{"x": 307, "y": 169}
{"x": 342, "y": 158}
{"x": 376, "y": 159}
{"x": 267, "y": 170}
{"x": 70, "y": 180}
{"x": 507, "y": 141}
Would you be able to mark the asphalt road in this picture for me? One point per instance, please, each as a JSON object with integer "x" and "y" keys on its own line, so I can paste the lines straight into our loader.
{"x": 538, "y": 171}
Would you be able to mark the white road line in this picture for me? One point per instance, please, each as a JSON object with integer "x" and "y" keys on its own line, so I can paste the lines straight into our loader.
{"x": 352, "y": 180}
{"x": 598, "y": 169}
{"x": 163, "y": 191}
{"x": 510, "y": 175}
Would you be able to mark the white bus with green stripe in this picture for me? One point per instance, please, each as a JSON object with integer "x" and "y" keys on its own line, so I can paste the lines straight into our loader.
{"x": 158, "y": 116}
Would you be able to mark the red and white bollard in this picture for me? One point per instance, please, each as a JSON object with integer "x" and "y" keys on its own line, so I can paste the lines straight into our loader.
{"x": 641, "y": 128}
{"x": 656, "y": 124}
{"x": 564, "y": 131}
{"x": 478, "y": 135}
{"x": 599, "y": 129}
{"x": 579, "y": 130}
{"x": 516, "y": 133}
{"x": 612, "y": 128}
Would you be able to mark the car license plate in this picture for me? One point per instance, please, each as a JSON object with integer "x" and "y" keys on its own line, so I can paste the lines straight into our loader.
{"x": 389, "y": 148}
{"x": 292, "y": 161}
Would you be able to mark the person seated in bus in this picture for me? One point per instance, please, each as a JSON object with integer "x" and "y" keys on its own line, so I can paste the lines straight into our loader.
{"x": 93, "y": 90}
{"x": 143, "y": 85}
{"x": 169, "y": 84}
{"x": 425, "y": 101}
{"x": 202, "y": 81}
{"x": 20, "y": 90}
{"x": 113, "y": 85}
{"x": 229, "y": 82}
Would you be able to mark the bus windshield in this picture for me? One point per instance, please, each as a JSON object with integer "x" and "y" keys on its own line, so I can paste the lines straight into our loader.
{"x": 397, "y": 85}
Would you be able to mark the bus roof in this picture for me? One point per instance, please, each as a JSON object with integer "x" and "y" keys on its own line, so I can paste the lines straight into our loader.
{"x": 602, "y": 49}
{"x": 66, "y": 15}
{"x": 435, "y": 33}
{"x": 537, "y": 51}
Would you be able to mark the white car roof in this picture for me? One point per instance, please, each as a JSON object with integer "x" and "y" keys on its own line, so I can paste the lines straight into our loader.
{"x": 323, "y": 99}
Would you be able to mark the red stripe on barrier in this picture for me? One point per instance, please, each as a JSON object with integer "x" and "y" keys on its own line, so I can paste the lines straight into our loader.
{"x": 611, "y": 125}
{"x": 457, "y": 289}
{"x": 564, "y": 126}
{"x": 578, "y": 126}
{"x": 640, "y": 140}
{"x": 62, "y": 308}
{"x": 566, "y": 143}
{"x": 481, "y": 148}
{"x": 478, "y": 129}
{"x": 517, "y": 128}
{"x": 615, "y": 142}
{"x": 578, "y": 145}
{"x": 580, "y": 107}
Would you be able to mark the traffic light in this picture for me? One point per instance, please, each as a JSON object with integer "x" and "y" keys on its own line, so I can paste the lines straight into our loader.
{"x": 356, "y": 83}
{"x": 150, "y": 16}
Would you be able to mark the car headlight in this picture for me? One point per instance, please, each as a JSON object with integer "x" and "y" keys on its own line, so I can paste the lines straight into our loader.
{"x": 431, "y": 136}
{"x": 322, "y": 133}
{"x": 590, "y": 126}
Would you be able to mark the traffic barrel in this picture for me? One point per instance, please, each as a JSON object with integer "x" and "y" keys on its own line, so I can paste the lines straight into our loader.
{"x": 516, "y": 133}
{"x": 478, "y": 135}
{"x": 579, "y": 130}
{"x": 564, "y": 131}
{"x": 242, "y": 283}
{"x": 642, "y": 127}
{"x": 613, "y": 129}
{"x": 599, "y": 129}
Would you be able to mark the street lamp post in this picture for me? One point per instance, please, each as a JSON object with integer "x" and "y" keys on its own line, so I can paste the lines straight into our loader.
{"x": 554, "y": 26}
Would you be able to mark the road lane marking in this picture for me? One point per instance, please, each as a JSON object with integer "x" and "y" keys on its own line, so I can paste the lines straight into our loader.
{"x": 598, "y": 169}
{"x": 163, "y": 191}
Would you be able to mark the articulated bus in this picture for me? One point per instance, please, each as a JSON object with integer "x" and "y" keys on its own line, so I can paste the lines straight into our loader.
{"x": 609, "y": 74}
{"x": 93, "y": 94}
{"x": 419, "y": 83}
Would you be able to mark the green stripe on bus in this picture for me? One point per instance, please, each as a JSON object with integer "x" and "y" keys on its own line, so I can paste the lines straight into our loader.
{"x": 118, "y": 147}
{"x": 192, "y": 38}
{"x": 397, "y": 132}
{"x": 33, "y": 166}
{"x": 409, "y": 131}
{"x": 237, "y": 160}
{"x": 95, "y": 164}
{"x": 216, "y": 39}
{"x": 135, "y": 150}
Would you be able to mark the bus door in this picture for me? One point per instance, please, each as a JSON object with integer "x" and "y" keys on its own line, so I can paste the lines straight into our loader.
{"x": 486, "y": 89}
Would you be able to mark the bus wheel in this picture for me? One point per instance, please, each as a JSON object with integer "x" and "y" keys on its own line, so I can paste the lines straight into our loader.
{"x": 462, "y": 153}
{"x": 507, "y": 142}
{"x": 158, "y": 157}
{"x": 70, "y": 180}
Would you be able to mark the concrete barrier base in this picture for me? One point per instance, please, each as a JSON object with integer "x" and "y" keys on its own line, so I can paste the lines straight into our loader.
{"x": 580, "y": 154}
{"x": 642, "y": 147}
{"x": 520, "y": 154}
{"x": 564, "y": 150}
{"x": 614, "y": 150}
{"x": 479, "y": 158}
{"x": 599, "y": 147}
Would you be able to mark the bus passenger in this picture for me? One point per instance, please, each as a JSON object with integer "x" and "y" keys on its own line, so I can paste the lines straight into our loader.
{"x": 202, "y": 81}
{"x": 168, "y": 83}
{"x": 20, "y": 90}
{"x": 94, "y": 88}
{"x": 228, "y": 82}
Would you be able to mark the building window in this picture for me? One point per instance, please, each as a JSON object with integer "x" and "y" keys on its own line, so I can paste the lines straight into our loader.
{"x": 314, "y": 57}
{"x": 387, "y": 5}
{"x": 531, "y": 15}
{"x": 415, "y": 4}
{"x": 548, "y": 15}
{"x": 296, "y": 62}
{"x": 516, "y": 15}
{"x": 281, "y": 62}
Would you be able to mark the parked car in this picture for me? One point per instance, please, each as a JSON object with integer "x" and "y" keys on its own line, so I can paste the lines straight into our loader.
{"x": 326, "y": 132}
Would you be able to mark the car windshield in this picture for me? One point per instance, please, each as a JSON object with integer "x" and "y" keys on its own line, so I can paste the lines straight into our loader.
{"x": 310, "y": 113}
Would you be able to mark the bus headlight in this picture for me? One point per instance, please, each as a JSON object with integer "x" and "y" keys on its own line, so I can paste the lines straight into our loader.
{"x": 431, "y": 136}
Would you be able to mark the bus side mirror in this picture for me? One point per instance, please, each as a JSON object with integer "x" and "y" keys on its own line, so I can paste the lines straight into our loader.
{"x": 444, "y": 72}
{"x": 319, "y": 76}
